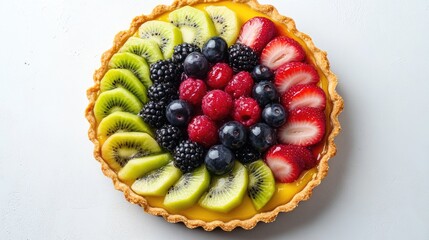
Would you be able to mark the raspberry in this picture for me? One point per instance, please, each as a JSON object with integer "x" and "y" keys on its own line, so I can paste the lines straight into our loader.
{"x": 203, "y": 130}
{"x": 219, "y": 76}
{"x": 192, "y": 90}
{"x": 246, "y": 111}
{"x": 217, "y": 104}
{"x": 242, "y": 57}
{"x": 241, "y": 85}
{"x": 188, "y": 156}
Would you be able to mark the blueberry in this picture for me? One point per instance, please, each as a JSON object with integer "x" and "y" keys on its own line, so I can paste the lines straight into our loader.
{"x": 262, "y": 73}
{"x": 215, "y": 49}
{"x": 265, "y": 92}
{"x": 274, "y": 115}
{"x": 262, "y": 136}
{"x": 196, "y": 65}
{"x": 178, "y": 113}
{"x": 233, "y": 135}
{"x": 219, "y": 160}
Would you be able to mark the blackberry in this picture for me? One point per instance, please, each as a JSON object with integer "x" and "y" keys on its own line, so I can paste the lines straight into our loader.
{"x": 181, "y": 51}
{"x": 242, "y": 58}
{"x": 169, "y": 136}
{"x": 153, "y": 113}
{"x": 165, "y": 71}
{"x": 247, "y": 154}
{"x": 188, "y": 156}
{"x": 165, "y": 92}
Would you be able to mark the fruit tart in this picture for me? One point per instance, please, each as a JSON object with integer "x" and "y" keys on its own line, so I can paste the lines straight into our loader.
{"x": 214, "y": 113}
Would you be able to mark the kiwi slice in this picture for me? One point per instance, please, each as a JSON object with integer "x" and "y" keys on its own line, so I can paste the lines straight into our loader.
{"x": 186, "y": 192}
{"x": 124, "y": 78}
{"x": 115, "y": 100}
{"x": 157, "y": 182}
{"x": 146, "y": 48}
{"x": 138, "y": 167}
{"x": 227, "y": 191}
{"x": 121, "y": 147}
{"x": 165, "y": 34}
{"x": 121, "y": 122}
{"x": 226, "y": 22}
{"x": 261, "y": 183}
{"x": 134, "y": 63}
{"x": 195, "y": 25}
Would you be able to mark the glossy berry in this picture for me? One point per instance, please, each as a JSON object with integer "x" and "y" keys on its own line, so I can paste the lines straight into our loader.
{"x": 241, "y": 85}
{"x": 188, "y": 156}
{"x": 274, "y": 115}
{"x": 219, "y": 76}
{"x": 261, "y": 136}
{"x": 192, "y": 90}
{"x": 215, "y": 49}
{"x": 153, "y": 113}
{"x": 219, "y": 160}
{"x": 262, "y": 73}
{"x": 265, "y": 92}
{"x": 247, "y": 154}
{"x": 233, "y": 135}
{"x": 217, "y": 104}
{"x": 181, "y": 51}
{"x": 166, "y": 92}
{"x": 196, "y": 65}
{"x": 203, "y": 130}
{"x": 246, "y": 111}
{"x": 164, "y": 71}
{"x": 242, "y": 57}
{"x": 169, "y": 136}
{"x": 178, "y": 113}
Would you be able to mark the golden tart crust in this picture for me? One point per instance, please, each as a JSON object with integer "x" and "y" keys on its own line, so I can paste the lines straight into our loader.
{"x": 320, "y": 59}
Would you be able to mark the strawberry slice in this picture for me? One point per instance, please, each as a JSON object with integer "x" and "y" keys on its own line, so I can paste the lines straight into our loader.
{"x": 304, "y": 95}
{"x": 305, "y": 126}
{"x": 281, "y": 50}
{"x": 294, "y": 73}
{"x": 285, "y": 163}
{"x": 305, "y": 155}
{"x": 257, "y": 32}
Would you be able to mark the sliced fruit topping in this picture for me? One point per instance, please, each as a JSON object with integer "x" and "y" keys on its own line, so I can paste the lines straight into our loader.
{"x": 225, "y": 21}
{"x": 242, "y": 57}
{"x": 115, "y": 100}
{"x": 246, "y": 111}
{"x": 165, "y": 34}
{"x": 134, "y": 63}
{"x": 233, "y": 135}
{"x": 284, "y": 162}
{"x": 124, "y": 78}
{"x": 138, "y": 167}
{"x": 195, "y": 25}
{"x": 181, "y": 51}
{"x": 157, "y": 182}
{"x": 226, "y": 192}
{"x": 281, "y": 50}
{"x": 203, "y": 130}
{"x": 261, "y": 183}
{"x": 178, "y": 113}
{"x": 306, "y": 156}
{"x": 196, "y": 65}
{"x": 215, "y": 49}
{"x": 217, "y": 104}
{"x": 153, "y": 113}
{"x": 192, "y": 90}
{"x": 262, "y": 136}
{"x": 188, "y": 156}
{"x": 241, "y": 85}
{"x": 304, "y": 95}
{"x": 219, "y": 160}
{"x": 146, "y": 48}
{"x": 121, "y": 122}
{"x": 274, "y": 115}
{"x": 247, "y": 154}
{"x": 294, "y": 73}
{"x": 265, "y": 92}
{"x": 305, "y": 127}
{"x": 169, "y": 136}
{"x": 165, "y": 71}
{"x": 121, "y": 147}
{"x": 186, "y": 192}
{"x": 257, "y": 32}
{"x": 219, "y": 75}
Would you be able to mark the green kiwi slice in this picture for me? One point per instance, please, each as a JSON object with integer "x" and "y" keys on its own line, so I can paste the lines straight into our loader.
{"x": 227, "y": 191}
{"x": 195, "y": 25}
{"x": 186, "y": 192}
{"x": 146, "y": 48}
{"x": 134, "y": 63}
{"x": 121, "y": 122}
{"x": 261, "y": 183}
{"x": 157, "y": 182}
{"x": 138, "y": 167}
{"x": 165, "y": 34}
{"x": 119, "y": 148}
{"x": 114, "y": 100}
{"x": 226, "y": 22}
{"x": 124, "y": 78}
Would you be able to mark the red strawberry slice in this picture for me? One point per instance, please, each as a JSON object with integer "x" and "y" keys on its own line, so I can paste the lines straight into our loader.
{"x": 285, "y": 163}
{"x": 294, "y": 73}
{"x": 304, "y": 95}
{"x": 305, "y": 126}
{"x": 257, "y": 32}
{"x": 305, "y": 155}
{"x": 281, "y": 50}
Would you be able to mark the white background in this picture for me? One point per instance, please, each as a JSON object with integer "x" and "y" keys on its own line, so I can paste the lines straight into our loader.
{"x": 52, "y": 188}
